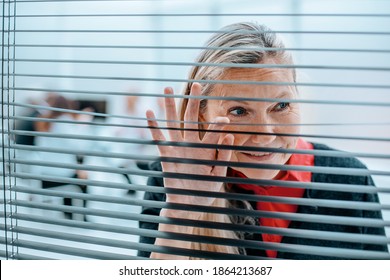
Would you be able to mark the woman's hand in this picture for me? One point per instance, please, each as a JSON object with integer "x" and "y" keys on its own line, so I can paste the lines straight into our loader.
{"x": 191, "y": 136}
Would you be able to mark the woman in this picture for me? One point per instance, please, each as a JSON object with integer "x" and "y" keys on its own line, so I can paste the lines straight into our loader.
{"x": 267, "y": 129}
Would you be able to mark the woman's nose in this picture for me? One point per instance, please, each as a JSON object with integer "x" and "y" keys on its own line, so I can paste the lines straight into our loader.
{"x": 263, "y": 134}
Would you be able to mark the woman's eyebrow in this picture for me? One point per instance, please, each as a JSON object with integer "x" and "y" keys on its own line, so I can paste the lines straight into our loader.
{"x": 280, "y": 95}
{"x": 245, "y": 102}
{"x": 283, "y": 94}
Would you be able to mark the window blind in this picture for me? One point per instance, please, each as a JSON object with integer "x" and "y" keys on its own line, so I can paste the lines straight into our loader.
{"x": 77, "y": 191}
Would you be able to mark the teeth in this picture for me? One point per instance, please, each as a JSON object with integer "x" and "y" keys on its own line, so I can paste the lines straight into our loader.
{"x": 258, "y": 155}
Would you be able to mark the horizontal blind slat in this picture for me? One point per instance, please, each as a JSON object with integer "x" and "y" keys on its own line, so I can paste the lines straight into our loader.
{"x": 222, "y": 65}
{"x": 175, "y": 96}
{"x": 226, "y": 82}
{"x": 303, "y": 249}
{"x": 288, "y": 184}
{"x": 249, "y": 197}
{"x": 161, "y": 249}
{"x": 209, "y": 15}
{"x": 317, "y": 186}
{"x": 67, "y": 250}
{"x": 327, "y": 153}
{"x": 159, "y": 31}
{"x": 198, "y": 48}
{"x": 76, "y": 237}
{"x": 193, "y": 144}
{"x": 103, "y": 124}
{"x": 310, "y": 218}
{"x": 311, "y": 234}
{"x": 125, "y": 170}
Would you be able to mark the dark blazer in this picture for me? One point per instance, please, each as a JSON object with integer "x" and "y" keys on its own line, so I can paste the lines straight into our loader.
{"x": 325, "y": 161}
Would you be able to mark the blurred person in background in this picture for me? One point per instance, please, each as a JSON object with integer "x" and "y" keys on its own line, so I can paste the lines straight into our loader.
{"x": 33, "y": 112}
{"x": 272, "y": 127}
{"x": 63, "y": 121}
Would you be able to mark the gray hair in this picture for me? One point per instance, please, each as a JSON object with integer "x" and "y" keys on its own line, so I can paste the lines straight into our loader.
{"x": 237, "y": 43}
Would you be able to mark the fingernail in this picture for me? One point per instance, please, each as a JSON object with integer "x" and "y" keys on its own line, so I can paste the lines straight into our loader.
{"x": 168, "y": 90}
{"x": 221, "y": 120}
{"x": 149, "y": 114}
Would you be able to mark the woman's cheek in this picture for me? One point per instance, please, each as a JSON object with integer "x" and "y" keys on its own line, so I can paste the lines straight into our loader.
{"x": 291, "y": 118}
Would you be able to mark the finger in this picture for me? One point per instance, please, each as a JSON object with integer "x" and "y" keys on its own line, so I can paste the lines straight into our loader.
{"x": 171, "y": 116}
{"x": 224, "y": 155}
{"x": 191, "y": 114}
{"x": 153, "y": 127}
{"x": 214, "y": 135}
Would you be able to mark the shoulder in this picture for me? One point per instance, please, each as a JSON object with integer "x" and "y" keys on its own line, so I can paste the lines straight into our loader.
{"x": 335, "y": 161}
{"x": 341, "y": 174}
{"x": 328, "y": 160}
{"x": 343, "y": 163}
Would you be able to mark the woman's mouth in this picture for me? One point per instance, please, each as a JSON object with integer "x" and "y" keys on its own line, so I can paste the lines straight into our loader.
{"x": 258, "y": 156}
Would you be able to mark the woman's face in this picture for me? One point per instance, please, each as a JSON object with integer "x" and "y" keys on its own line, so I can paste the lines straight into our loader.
{"x": 254, "y": 116}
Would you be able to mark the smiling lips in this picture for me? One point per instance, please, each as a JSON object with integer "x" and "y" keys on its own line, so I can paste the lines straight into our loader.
{"x": 259, "y": 156}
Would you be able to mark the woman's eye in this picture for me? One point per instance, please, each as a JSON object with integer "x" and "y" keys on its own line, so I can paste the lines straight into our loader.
{"x": 282, "y": 106}
{"x": 239, "y": 111}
